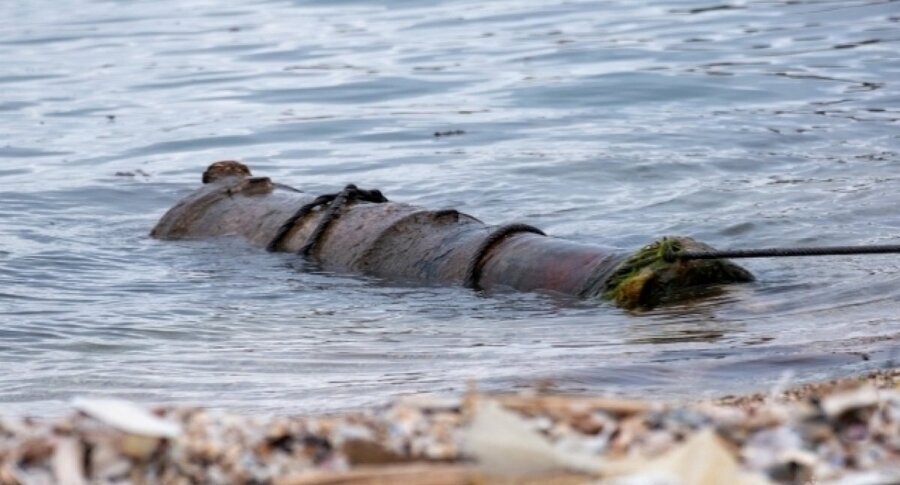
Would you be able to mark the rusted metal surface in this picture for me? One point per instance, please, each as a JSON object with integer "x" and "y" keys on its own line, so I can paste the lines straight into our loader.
{"x": 567, "y": 267}
{"x": 394, "y": 240}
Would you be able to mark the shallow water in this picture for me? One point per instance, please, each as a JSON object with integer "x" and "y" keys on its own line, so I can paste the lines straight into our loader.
{"x": 745, "y": 124}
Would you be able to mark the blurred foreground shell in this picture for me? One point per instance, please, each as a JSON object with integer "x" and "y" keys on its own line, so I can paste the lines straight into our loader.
{"x": 128, "y": 417}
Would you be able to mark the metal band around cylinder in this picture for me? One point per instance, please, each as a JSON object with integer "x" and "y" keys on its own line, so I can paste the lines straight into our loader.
{"x": 473, "y": 272}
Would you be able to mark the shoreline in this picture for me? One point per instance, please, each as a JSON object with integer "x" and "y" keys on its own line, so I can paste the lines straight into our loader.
{"x": 840, "y": 429}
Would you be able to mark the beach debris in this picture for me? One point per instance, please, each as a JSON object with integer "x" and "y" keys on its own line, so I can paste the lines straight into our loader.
{"x": 702, "y": 459}
{"x": 67, "y": 462}
{"x": 504, "y": 443}
{"x": 127, "y": 417}
{"x": 438, "y": 134}
{"x": 808, "y": 434}
{"x": 132, "y": 173}
{"x": 865, "y": 398}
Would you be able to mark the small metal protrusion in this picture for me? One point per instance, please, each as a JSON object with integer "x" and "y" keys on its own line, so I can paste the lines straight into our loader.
{"x": 225, "y": 168}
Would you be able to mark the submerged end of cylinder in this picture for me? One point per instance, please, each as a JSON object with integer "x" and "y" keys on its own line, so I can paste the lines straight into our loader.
{"x": 651, "y": 276}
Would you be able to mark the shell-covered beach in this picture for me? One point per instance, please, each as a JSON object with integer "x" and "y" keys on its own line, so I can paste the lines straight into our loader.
{"x": 843, "y": 431}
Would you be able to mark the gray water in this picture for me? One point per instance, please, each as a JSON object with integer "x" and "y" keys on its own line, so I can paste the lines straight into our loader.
{"x": 743, "y": 124}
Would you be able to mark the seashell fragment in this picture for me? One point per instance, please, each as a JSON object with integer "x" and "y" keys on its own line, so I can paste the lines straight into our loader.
{"x": 702, "y": 459}
{"x": 864, "y": 397}
{"x": 67, "y": 462}
{"x": 503, "y": 442}
{"x": 126, "y": 416}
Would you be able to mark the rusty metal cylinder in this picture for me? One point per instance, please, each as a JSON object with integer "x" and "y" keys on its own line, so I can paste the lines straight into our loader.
{"x": 402, "y": 242}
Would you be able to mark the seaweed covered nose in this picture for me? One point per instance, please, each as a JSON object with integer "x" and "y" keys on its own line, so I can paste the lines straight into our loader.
{"x": 648, "y": 278}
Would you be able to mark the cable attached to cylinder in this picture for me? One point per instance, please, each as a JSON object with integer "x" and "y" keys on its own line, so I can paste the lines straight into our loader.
{"x": 672, "y": 255}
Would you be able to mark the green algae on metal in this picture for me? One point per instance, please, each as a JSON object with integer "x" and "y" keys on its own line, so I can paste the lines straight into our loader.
{"x": 647, "y": 279}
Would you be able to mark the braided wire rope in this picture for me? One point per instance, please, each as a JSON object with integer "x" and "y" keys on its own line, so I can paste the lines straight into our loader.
{"x": 335, "y": 203}
{"x": 349, "y": 194}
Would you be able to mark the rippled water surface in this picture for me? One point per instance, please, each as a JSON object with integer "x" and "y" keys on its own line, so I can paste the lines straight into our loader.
{"x": 743, "y": 124}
